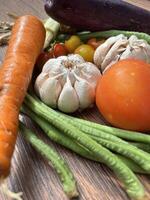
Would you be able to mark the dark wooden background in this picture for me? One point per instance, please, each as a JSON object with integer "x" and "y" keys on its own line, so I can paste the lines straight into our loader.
{"x": 31, "y": 174}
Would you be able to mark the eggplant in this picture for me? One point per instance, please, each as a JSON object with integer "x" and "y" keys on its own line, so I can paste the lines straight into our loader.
{"x": 99, "y": 15}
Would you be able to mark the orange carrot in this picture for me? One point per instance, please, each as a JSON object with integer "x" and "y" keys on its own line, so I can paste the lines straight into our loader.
{"x": 26, "y": 42}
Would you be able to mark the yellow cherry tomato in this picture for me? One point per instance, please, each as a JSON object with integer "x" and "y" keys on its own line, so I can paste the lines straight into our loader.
{"x": 72, "y": 43}
{"x": 86, "y": 51}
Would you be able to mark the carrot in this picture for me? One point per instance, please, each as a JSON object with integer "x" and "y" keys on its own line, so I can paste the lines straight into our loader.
{"x": 26, "y": 42}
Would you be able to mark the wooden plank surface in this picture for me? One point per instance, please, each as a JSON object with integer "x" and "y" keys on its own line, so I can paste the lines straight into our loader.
{"x": 31, "y": 174}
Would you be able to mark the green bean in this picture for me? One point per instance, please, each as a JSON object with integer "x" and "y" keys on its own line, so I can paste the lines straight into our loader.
{"x": 66, "y": 176}
{"x": 92, "y": 131}
{"x": 105, "y": 34}
{"x": 144, "y": 147}
{"x": 55, "y": 135}
{"x": 131, "y": 164}
{"x": 138, "y": 156}
{"x": 110, "y": 33}
{"x": 133, "y": 186}
{"x": 124, "y": 134}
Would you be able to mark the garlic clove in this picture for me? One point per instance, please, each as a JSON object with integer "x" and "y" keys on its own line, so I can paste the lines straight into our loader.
{"x": 85, "y": 92}
{"x": 138, "y": 49}
{"x": 71, "y": 77}
{"x": 50, "y": 65}
{"x": 114, "y": 53}
{"x": 68, "y": 100}
{"x": 49, "y": 92}
{"x": 133, "y": 53}
{"x": 89, "y": 72}
{"x": 39, "y": 81}
{"x": 53, "y": 68}
{"x": 103, "y": 49}
{"x": 126, "y": 53}
{"x": 111, "y": 63}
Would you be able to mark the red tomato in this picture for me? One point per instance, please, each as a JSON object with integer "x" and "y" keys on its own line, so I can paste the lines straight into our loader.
{"x": 59, "y": 50}
{"x": 42, "y": 59}
{"x": 123, "y": 95}
{"x": 94, "y": 43}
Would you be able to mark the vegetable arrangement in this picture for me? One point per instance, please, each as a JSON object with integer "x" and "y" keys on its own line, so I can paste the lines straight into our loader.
{"x": 73, "y": 71}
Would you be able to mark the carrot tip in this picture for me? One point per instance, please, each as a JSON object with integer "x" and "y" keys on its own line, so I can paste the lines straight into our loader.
{"x": 5, "y": 190}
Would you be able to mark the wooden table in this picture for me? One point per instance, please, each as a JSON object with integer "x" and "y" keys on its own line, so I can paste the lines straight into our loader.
{"x": 31, "y": 174}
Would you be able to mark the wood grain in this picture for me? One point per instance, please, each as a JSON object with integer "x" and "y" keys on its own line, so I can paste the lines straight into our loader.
{"x": 31, "y": 174}
{"x": 141, "y": 3}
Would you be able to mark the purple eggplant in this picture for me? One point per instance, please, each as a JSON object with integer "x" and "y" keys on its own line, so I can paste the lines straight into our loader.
{"x": 99, "y": 15}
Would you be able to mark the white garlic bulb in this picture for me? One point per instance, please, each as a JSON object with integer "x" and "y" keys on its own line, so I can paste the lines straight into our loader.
{"x": 67, "y": 83}
{"x": 120, "y": 47}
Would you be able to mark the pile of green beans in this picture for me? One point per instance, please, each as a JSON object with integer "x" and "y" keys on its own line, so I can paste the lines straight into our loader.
{"x": 55, "y": 135}
{"x": 96, "y": 142}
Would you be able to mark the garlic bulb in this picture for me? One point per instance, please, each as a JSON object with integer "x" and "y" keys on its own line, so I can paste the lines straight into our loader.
{"x": 67, "y": 83}
{"x": 120, "y": 47}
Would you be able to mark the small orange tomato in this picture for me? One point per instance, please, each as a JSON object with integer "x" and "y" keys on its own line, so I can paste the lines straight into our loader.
{"x": 95, "y": 43}
{"x": 123, "y": 95}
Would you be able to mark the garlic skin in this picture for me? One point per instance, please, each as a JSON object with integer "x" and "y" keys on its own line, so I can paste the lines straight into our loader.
{"x": 118, "y": 48}
{"x": 67, "y": 83}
